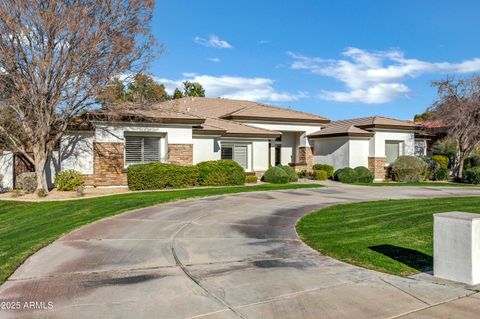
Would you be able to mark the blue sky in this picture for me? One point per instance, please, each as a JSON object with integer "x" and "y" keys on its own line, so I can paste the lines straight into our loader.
{"x": 340, "y": 59}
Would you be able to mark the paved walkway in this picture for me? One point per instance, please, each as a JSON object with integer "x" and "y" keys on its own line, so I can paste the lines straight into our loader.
{"x": 235, "y": 256}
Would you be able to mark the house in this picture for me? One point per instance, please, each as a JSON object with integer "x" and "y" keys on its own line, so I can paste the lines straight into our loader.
{"x": 191, "y": 130}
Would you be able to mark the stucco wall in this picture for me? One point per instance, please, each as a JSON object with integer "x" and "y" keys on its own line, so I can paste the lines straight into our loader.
{"x": 359, "y": 150}
{"x": 114, "y": 133}
{"x": 76, "y": 152}
{"x": 332, "y": 151}
{"x": 206, "y": 149}
{"x": 6, "y": 170}
{"x": 377, "y": 144}
{"x": 260, "y": 155}
{"x": 283, "y": 127}
{"x": 289, "y": 147}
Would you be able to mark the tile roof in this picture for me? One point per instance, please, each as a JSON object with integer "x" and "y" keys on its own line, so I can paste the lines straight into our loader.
{"x": 361, "y": 126}
{"x": 231, "y": 128}
{"x": 238, "y": 109}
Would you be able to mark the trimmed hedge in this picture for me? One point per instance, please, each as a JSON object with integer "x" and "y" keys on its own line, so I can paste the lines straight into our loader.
{"x": 160, "y": 175}
{"x": 346, "y": 175}
{"x": 324, "y": 167}
{"x": 409, "y": 169}
{"x": 441, "y": 174}
{"x": 472, "y": 175}
{"x": 220, "y": 173}
{"x": 276, "y": 175}
{"x": 363, "y": 174}
{"x": 68, "y": 180}
{"x": 442, "y": 160}
{"x": 320, "y": 175}
{"x": 251, "y": 179}
{"x": 292, "y": 175}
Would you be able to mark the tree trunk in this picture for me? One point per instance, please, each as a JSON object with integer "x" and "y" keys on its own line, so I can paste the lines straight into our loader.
{"x": 40, "y": 160}
{"x": 461, "y": 161}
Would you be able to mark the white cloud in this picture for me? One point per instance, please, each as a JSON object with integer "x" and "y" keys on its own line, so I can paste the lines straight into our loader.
{"x": 235, "y": 87}
{"x": 374, "y": 77}
{"x": 215, "y": 60}
{"x": 213, "y": 42}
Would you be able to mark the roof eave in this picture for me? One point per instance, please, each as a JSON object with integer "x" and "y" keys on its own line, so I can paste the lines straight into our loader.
{"x": 343, "y": 134}
{"x": 279, "y": 119}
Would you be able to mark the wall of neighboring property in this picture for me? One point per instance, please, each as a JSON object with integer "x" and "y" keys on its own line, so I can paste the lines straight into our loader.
{"x": 359, "y": 151}
{"x": 6, "y": 170}
{"x": 377, "y": 144}
{"x": 206, "y": 148}
{"x": 333, "y": 151}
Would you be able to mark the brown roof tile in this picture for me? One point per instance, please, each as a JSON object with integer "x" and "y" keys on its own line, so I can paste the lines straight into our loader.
{"x": 231, "y": 128}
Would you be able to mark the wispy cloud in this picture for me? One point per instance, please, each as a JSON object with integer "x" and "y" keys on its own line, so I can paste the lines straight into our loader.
{"x": 235, "y": 87}
{"x": 213, "y": 42}
{"x": 215, "y": 60}
{"x": 264, "y": 41}
{"x": 374, "y": 77}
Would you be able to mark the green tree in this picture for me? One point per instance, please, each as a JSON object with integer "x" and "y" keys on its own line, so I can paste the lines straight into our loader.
{"x": 113, "y": 92}
{"x": 144, "y": 89}
{"x": 177, "y": 94}
{"x": 193, "y": 89}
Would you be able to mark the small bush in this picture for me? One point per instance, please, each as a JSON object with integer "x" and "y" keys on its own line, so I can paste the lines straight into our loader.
{"x": 363, "y": 174}
{"x": 160, "y": 175}
{"x": 292, "y": 175}
{"x": 221, "y": 173}
{"x": 42, "y": 193}
{"x": 251, "y": 179}
{"x": 302, "y": 174}
{"x": 409, "y": 169}
{"x": 68, "y": 180}
{"x": 27, "y": 182}
{"x": 276, "y": 175}
{"x": 320, "y": 175}
{"x": 442, "y": 160}
{"x": 441, "y": 174}
{"x": 472, "y": 175}
{"x": 471, "y": 161}
{"x": 324, "y": 167}
{"x": 346, "y": 175}
{"x": 432, "y": 168}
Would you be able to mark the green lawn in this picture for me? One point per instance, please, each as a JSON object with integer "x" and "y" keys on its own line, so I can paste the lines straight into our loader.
{"x": 393, "y": 236}
{"x": 438, "y": 184}
{"x": 25, "y": 227}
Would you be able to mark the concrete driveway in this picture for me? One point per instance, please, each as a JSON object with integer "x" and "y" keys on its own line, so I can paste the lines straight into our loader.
{"x": 235, "y": 256}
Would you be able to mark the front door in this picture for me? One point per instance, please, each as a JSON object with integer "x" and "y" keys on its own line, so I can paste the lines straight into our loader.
{"x": 278, "y": 155}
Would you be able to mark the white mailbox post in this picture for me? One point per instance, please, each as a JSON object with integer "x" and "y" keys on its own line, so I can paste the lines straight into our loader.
{"x": 456, "y": 247}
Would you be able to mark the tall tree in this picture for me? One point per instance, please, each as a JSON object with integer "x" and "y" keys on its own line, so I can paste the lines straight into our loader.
{"x": 113, "y": 92}
{"x": 458, "y": 107}
{"x": 177, "y": 94}
{"x": 55, "y": 54}
{"x": 144, "y": 89}
{"x": 193, "y": 89}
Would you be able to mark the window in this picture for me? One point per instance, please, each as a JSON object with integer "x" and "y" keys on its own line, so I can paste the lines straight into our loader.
{"x": 142, "y": 149}
{"x": 235, "y": 152}
{"x": 392, "y": 150}
{"x": 420, "y": 148}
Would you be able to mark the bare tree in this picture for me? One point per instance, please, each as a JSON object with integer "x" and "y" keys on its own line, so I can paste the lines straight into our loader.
{"x": 54, "y": 54}
{"x": 458, "y": 108}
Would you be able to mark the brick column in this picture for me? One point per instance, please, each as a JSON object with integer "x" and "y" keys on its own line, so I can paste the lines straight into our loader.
{"x": 377, "y": 166}
{"x": 180, "y": 154}
{"x": 109, "y": 164}
{"x": 305, "y": 157}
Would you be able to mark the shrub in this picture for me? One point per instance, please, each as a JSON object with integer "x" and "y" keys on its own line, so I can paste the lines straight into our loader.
{"x": 324, "y": 167}
{"x": 346, "y": 175}
{"x": 27, "y": 182}
{"x": 441, "y": 174}
{"x": 292, "y": 175}
{"x": 472, "y": 175}
{"x": 363, "y": 174}
{"x": 432, "y": 168}
{"x": 42, "y": 192}
{"x": 320, "y": 175}
{"x": 221, "y": 173}
{"x": 161, "y": 175}
{"x": 276, "y": 175}
{"x": 68, "y": 180}
{"x": 472, "y": 161}
{"x": 251, "y": 179}
{"x": 442, "y": 160}
{"x": 409, "y": 169}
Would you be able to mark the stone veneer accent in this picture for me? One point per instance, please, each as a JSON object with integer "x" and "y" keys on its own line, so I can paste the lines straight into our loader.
{"x": 305, "y": 159}
{"x": 377, "y": 166}
{"x": 108, "y": 165}
{"x": 180, "y": 154}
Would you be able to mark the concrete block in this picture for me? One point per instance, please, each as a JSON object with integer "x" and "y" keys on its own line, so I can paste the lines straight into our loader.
{"x": 456, "y": 245}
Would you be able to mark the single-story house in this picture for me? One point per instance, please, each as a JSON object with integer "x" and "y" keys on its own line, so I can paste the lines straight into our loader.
{"x": 191, "y": 130}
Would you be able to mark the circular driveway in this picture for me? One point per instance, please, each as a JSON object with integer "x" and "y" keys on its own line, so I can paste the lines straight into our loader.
{"x": 235, "y": 256}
